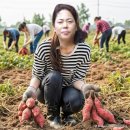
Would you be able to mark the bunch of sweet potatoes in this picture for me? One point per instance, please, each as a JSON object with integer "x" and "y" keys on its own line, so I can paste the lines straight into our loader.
{"x": 94, "y": 110}
{"x": 28, "y": 110}
{"x": 23, "y": 51}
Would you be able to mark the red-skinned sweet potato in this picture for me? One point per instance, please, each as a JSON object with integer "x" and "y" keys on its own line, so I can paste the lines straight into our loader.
{"x": 26, "y": 114}
{"x": 22, "y": 106}
{"x": 118, "y": 128}
{"x": 127, "y": 122}
{"x": 20, "y": 119}
{"x": 40, "y": 120}
{"x": 36, "y": 111}
{"x": 87, "y": 108}
{"x": 30, "y": 102}
{"x": 23, "y": 51}
{"x": 20, "y": 113}
{"x": 104, "y": 113}
{"x": 96, "y": 118}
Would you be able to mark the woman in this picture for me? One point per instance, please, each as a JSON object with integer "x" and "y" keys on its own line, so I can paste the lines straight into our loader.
{"x": 59, "y": 69}
{"x": 33, "y": 34}
{"x": 103, "y": 27}
{"x": 13, "y": 35}
{"x": 85, "y": 29}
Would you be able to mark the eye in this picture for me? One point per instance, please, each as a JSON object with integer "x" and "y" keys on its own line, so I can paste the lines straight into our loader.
{"x": 59, "y": 22}
{"x": 70, "y": 21}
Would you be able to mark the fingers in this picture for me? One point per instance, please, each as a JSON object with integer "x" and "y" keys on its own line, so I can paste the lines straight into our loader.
{"x": 92, "y": 87}
{"x": 92, "y": 90}
{"x": 27, "y": 94}
{"x": 24, "y": 97}
{"x": 96, "y": 88}
{"x": 91, "y": 93}
{"x": 86, "y": 94}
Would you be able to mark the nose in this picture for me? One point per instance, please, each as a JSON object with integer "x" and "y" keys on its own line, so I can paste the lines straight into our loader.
{"x": 65, "y": 24}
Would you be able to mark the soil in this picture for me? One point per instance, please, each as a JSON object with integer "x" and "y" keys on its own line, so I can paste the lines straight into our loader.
{"x": 19, "y": 77}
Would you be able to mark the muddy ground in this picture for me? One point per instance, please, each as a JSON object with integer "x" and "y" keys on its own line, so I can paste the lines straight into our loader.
{"x": 19, "y": 77}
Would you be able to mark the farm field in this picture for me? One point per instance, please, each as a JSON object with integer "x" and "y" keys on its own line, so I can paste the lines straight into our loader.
{"x": 111, "y": 71}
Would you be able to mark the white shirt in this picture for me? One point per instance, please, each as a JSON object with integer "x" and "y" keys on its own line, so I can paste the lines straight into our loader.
{"x": 45, "y": 28}
{"x": 33, "y": 30}
{"x": 117, "y": 30}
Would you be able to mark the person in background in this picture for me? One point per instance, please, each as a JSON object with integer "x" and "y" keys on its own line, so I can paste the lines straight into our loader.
{"x": 59, "y": 69}
{"x": 33, "y": 33}
{"x": 118, "y": 33}
{"x": 85, "y": 29}
{"x": 104, "y": 28}
{"x": 46, "y": 30}
{"x": 13, "y": 35}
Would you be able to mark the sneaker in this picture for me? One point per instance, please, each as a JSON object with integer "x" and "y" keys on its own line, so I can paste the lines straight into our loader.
{"x": 55, "y": 123}
{"x": 69, "y": 120}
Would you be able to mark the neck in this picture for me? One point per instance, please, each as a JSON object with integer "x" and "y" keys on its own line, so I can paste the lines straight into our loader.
{"x": 66, "y": 47}
{"x": 66, "y": 44}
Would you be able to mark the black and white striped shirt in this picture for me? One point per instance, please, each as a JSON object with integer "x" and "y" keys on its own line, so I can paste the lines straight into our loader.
{"x": 75, "y": 65}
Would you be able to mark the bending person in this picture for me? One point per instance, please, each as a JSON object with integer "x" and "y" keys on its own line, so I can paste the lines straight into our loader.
{"x": 13, "y": 35}
{"x": 32, "y": 33}
{"x": 118, "y": 33}
{"x": 104, "y": 28}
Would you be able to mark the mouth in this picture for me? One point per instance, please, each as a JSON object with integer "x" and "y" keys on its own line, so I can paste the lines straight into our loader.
{"x": 65, "y": 32}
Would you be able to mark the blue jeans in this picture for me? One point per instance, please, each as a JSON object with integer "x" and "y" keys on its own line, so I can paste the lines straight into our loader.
{"x": 105, "y": 39}
{"x": 54, "y": 96}
{"x": 34, "y": 44}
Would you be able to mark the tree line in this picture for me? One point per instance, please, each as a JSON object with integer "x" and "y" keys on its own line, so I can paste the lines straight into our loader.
{"x": 83, "y": 12}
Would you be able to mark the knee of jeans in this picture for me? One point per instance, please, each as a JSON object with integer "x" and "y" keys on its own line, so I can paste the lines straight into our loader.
{"x": 55, "y": 75}
{"x": 53, "y": 78}
{"x": 73, "y": 103}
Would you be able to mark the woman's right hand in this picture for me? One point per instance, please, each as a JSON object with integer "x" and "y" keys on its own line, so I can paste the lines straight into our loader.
{"x": 88, "y": 87}
{"x": 30, "y": 92}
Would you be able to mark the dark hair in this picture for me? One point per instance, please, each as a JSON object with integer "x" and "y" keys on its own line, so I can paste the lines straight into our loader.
{"x": 55, "y": 52}
{"x": 21, "y": 26}
{"x": 5, "y": 32}
{"x": 97, "y": 18}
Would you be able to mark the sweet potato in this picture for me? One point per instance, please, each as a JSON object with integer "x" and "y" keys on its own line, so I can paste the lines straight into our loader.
{"x": 26, "y": 114}
{"x": 96, "y": 118}
{"x": 22, "y": 106}
{"x": 118, "y": 128}
{"x": 40, "y": 120}
{"x": 20, "y": 113}
{"x": 127, "y": 122}
{"x": 30, "y": 102}
{"x": 20, "y": 119}
{"x": 87, "y": 108}
{"x": 23, "y": 51}
{"x": 104, "y": 113}
{"x": 36, "y": 111}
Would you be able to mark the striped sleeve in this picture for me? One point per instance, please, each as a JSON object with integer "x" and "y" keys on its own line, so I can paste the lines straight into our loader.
{"x": 83, "y": 66}
{"x": 39, "y": 62}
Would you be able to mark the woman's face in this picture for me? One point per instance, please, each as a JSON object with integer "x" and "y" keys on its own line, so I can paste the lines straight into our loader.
{"x": 24, "y": 29}
{"x": 65, "y": 25}
{"x": 95, "y": 21}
